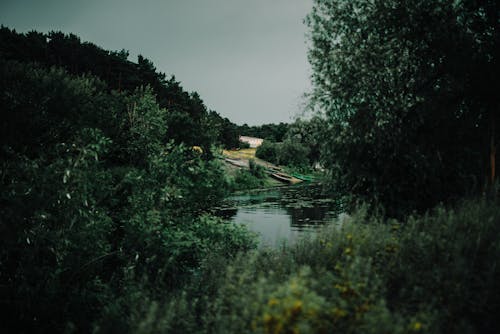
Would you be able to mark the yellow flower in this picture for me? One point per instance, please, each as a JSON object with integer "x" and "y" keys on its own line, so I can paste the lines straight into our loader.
{"x": 417, "y": 326}
{"x": 341, "y": 288}
{"x": 297, "y": 306}
{"x": 348, "y": 250}
{"x": 349, "y": 236}
{"x": 272, "y": 302}
{"x": 339, "y": 313}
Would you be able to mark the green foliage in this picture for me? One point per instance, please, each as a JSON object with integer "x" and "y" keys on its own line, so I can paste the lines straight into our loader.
{"x": 272, "y": 132}
{"x": 268, "y": 151}
{"x": 227, "y": 132}
{"x": 300, "y": 147}
{"x": 289, "y": 153}
{"x": 99, "y": 212}
{"x": 243, "y": 145}
{"x": 252, "y": 178}
{"x": 434, "y": 274}
{"x": 310, "y": 134}
{"x": 293, "y": 154}
{"x": 245, "y": 180}
{"x": 410, "y": 106}
{"x": 187, "y": 114}
{"x": 256, "y": 170}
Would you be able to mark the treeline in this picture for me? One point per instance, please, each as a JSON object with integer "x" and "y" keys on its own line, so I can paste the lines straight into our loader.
{"x": 189, "y": 120}
{"x": 272, "y": 132}
{"x": 299, "y": 148}
{"x": 103, "y": 199}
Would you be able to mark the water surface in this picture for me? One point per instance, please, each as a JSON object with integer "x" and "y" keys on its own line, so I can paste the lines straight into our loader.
{"x": 281, "y": 214}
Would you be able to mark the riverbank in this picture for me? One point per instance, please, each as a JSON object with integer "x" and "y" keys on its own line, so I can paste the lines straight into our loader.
{"x": 236, "y": 162}
{"x": 436, "y": 273}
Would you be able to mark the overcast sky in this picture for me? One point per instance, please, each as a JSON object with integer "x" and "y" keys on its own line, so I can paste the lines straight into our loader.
{"x": 246, "y": 58}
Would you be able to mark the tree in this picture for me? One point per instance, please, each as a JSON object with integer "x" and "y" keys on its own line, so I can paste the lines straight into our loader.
{"x": 294, "y": 154}
{"x": 98, "y": 210}
{"x": 309, "y": 133}
{"x": 406, "y": 87}
{"x": 118, "y": 73}
{"x": 268, "y": 151}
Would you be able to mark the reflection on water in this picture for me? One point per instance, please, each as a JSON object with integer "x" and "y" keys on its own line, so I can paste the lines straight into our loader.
{"x": 281, "y": 214}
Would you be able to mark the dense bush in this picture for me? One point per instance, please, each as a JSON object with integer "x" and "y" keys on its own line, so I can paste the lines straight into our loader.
{"x": 251, "y": 178}
{"x": 98, "y": 211}
{"x": 293, "y": 154}
{"x": 287, "y": 153}
{"x": 435, "y": 274}
{"x": 242, "y": 144}
{"x": 268, "y": 151}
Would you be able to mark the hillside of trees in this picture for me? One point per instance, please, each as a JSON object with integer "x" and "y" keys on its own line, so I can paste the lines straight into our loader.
{"x": 103, "y": 198}
{"x": 189, "y": 120}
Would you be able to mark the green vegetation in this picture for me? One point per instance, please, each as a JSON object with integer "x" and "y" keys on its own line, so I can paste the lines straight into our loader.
{"x": 253, "y": 178}
{"x": 409, "y": 94}
{"x": 271, "y": 132}
{"x": 300, "y": 147}
{"x": 107, "y": 178}
{"x": 434, "y": 274}
{"x": 288, "y": 153}
{"x": 268, "y": 151}
{"x": 193, "y": 123}
{"x": 101, "y": 209}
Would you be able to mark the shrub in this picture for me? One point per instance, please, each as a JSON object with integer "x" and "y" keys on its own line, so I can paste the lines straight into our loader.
{"x": 293, "y": 154}
{"x": 256, "y": 170}
{"x": 242, "y": 144}
{"x": 435, "y": 274}
{"x": 245, "y": 180}
{"x": 99, "y": 214}
{"x": 268, "y": 151}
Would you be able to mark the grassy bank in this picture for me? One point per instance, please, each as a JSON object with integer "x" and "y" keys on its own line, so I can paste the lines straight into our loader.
{"x": 437, "y": 273}
{"x": 254, "y": 176}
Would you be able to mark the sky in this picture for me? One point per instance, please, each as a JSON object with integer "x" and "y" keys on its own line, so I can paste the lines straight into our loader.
{"x": 246, "y": 58}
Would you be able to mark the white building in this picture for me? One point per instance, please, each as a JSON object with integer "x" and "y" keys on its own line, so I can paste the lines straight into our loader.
{"x": 252, "y": 141}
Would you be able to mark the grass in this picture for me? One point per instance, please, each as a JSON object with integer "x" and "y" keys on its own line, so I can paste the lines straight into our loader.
{"x": 437, "y": 273}
{"x": 244, "y": 153}
{"x": 242, "y": 180}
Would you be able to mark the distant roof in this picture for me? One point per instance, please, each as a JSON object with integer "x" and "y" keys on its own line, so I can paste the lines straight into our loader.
{"x": 249, "y": 138}
{"x": 253, "y": 141}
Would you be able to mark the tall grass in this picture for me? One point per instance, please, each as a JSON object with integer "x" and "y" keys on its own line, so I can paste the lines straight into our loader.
{"x": 437, "y": 273}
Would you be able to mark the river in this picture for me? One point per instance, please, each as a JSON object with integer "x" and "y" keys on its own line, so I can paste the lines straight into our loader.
{"x": 281, "y": 214}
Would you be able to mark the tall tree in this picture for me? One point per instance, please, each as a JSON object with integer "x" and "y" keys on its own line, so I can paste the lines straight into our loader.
{"x": 407, "y": 88}
{"x": 114, "y": 68}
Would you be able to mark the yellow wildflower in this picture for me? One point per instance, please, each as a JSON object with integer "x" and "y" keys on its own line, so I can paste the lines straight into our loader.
{"x": 297, "y": 307}
{"x": 272, "y": 302}
{"x": 339, "y": 313}
{"x": 416, "y": 326}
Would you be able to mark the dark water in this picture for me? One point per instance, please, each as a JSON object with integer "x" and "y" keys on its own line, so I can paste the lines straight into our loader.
{"x": 281, "y": 214}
